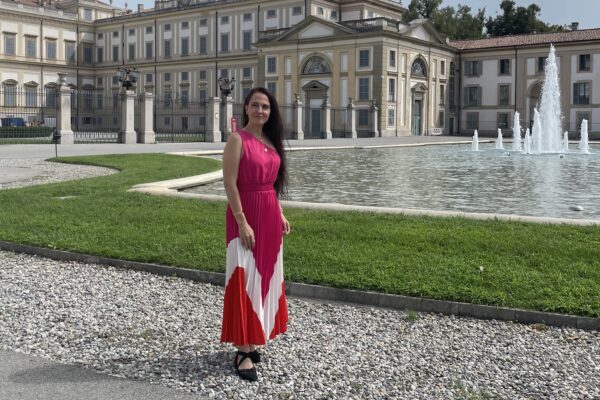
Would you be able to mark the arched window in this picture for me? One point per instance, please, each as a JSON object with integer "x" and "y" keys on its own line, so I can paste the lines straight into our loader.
{"x": 316, "y": 65}
{"x": 419, "y": 68}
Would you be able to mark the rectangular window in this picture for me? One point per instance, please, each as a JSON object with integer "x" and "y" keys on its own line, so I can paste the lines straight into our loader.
{"x": 202, "y": 45}
{"x": 184, "y": 120}
{"x": 115, "y": 80}
{"x": 442, "y": 67}
{"x": 100, "y": 101}
{"x": 115, "y": 100}
{"x": 100, "y": 55}
{"x": 334, "y": 14}
{"x": 245, "y": 91}
{"x": 115, "y": 34}
{"x": 272, "y": 87}
{"x": 392, "y": 90}
{"x": 581, "y": 93}
{"x": 185, "y": 25}
{"x": 115, "y": 53}
{"x": 99, "y": 81}
{"x": 363, "y": 88}
{"x": 202, "y": 95}
{"x": 225, "y": 20}
{"x": 503, "y": 119}
{"x": 167, "y": 27}
{"x": 167, "y": 48}
{"x": 441, "y": 119}
{"x": 271, "y": 65}
{"x": 541, "y": 62}
{"x": 70, "y": 52}
{"x": 472, "y": 96}
{"x": 271, "y": 14}
{"x": 504, "y": 95}
{"x": 148, "y": 78}
{"x": 504, "y": 66}
{"x": 149, "y": 49}
{"x": 149, "y": 29}
{"x": 320, "y": 11}
{"x": 246, "y": 72}
{"x": 363, "y": 117}
{"x": 167, "y": 76}
{"x": 392, "y": 58}
{"x": 185, "y": 76}
{"x": 585, "y": 62}
{"x": 472, "y": 120}
{"x": 225, "y": 43}
{"x": 131, "y": 55}
{"x": 51, "y": 49}
{"x": 203, "y": 74}
{"x": 30, "y": 96}
{"x": 100, "y": 36}
{"x": 87, "y": 14}
{"x": 203, "y": 22}
{"x": 473, "y": 68}
{"x": 131, "y": 32}
{"x": 297, "y": 10}
{"x": 185, "y": 98}
{"x": 363, "y": 58}
{"x": 247, "y": 40}
{"x": 88, "y": 53}
{"x": 30, "y": 46}
{"x": 442, "y": 94}
{"x": 51, "y": 95}
{"x": 247, "y": 17}
{"x": 224, "y": 73}
{"x": 391, "y": 117}
{"x": 185, "y": 46}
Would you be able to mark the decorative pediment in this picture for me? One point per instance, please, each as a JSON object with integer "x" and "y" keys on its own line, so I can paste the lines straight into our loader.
{"x": 10, "y": 82}
{"x": 419, "y": 87}
{"x": 422, "y": 29}
{"x": 316, "y": 30}
{"x": 314, "y": 27}
{"x": 315, "y": 85}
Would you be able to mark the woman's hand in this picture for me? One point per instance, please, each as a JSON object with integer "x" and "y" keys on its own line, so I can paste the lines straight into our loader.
{"x": 246, "y": 234}
{"x": 286, "y": 225}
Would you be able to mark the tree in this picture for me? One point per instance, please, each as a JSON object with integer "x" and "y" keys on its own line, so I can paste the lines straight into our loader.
{"x": 421, "y": 9}
{"x": 456, "y": 24}
{"x": 460, "y": 23}
{"x": 518, "y": 20}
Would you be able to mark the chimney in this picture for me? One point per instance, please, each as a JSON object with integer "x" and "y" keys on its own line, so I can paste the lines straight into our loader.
{"x": 574, "y": 26}
{"x": 140, "y": 8}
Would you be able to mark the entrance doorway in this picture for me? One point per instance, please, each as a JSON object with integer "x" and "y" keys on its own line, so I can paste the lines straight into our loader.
{"x": 416, "y": 117}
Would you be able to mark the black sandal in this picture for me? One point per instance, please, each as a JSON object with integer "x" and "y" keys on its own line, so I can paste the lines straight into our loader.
{"x": 247, "y": 374}
{"x": 255, "y": 356}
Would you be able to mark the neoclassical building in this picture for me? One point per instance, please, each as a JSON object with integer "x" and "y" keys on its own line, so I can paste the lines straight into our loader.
{"x": 316, "y": 51}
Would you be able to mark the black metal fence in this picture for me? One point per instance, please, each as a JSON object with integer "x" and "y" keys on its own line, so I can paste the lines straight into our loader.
{"x": 179, "y": 120}
{"x": 27, "y": 114}
{"x": 339, "y": 122}
{"x": 95, "y": 116}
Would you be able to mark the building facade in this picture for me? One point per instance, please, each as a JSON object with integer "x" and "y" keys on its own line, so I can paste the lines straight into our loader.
{"x": 322, "y": 53}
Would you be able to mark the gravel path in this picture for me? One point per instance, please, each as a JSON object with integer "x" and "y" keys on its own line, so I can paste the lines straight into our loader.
{"x": 165, "y": 330}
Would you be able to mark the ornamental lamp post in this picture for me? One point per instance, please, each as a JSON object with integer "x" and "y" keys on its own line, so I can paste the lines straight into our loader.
{"x": 226, "y": 86}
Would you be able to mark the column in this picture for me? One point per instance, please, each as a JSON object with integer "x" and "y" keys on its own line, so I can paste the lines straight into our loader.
{"x": 326, "y": 119}
{"x": 374, "y": 119}
{"x": 351, "y": 115}
{"x": 213, "y": 131}
{"x": 63, "y": 119}
{"x": 298, "y": 132}
{"x": 226, "y": 113}
{"x": 127, "y": 133}
{"x": 146, "y": 133}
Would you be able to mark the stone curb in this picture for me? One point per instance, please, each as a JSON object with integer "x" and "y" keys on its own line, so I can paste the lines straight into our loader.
{"x": 357, "y": 297}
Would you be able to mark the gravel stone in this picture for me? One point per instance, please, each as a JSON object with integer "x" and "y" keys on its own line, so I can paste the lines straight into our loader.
{"x": 166, "y": 330}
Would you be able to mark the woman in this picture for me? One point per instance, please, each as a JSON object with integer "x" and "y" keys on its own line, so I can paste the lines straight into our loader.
{"x": 254, "y": 174}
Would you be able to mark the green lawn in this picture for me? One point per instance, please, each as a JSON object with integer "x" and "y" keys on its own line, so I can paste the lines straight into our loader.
{"x": 541, "y": 267}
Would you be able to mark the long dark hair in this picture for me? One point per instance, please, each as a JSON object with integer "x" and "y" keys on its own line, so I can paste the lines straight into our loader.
{"x": 275, "y": 131}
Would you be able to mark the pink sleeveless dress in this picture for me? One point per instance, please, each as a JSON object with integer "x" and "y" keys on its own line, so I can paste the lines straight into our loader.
{"x": 255, "y": 308}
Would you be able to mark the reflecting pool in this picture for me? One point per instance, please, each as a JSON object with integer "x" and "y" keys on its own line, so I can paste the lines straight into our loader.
{"x": 451, "y": 178}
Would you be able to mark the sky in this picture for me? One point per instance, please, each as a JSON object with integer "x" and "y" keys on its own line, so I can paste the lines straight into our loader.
{"x": 585, "y": 12}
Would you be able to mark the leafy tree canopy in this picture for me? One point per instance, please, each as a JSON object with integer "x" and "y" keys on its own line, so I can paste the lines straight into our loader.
{"x": 463, "y": 23}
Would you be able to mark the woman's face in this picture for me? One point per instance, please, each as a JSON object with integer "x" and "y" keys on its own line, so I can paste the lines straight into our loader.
{"x": 258, "y": 109}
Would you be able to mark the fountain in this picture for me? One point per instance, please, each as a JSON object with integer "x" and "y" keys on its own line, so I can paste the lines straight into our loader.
{"x": 516, "y": 133}
{"x": 547, "y": 137}
{"x": 475, "y": 142}
{"x": 527, "y": 142}
{"x": 566, "y": 142}
{"x": 584, "y": 146}
{"x": 499, "y": 145}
